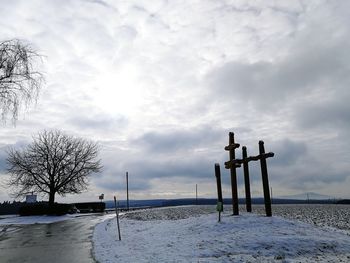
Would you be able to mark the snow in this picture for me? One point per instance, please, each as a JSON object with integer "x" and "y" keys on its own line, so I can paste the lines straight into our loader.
{"x": 324, "y": 215}
{"x": 200, "y": 238}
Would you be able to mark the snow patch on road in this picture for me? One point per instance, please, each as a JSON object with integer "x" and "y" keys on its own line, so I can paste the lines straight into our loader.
{"x": 27, "y": 220}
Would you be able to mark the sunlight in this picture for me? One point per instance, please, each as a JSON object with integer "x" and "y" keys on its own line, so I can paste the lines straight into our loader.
{"x": 118, "y": 91}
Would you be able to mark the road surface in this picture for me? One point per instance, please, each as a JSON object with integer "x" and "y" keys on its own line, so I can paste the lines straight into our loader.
{"x": 65, "y": 241}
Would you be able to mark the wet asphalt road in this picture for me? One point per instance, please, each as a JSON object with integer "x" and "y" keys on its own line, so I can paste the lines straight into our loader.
{"x": 65, "y": 241}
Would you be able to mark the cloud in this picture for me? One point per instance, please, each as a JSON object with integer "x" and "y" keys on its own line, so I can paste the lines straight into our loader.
{"x": 332, "y": 115}
{"x": 272, "y": 85}
{"x": 288, "y": 152}
{"x": 161, "y": 83}
{"x": 98, "y": 122}
{"x": 176, "y": 140}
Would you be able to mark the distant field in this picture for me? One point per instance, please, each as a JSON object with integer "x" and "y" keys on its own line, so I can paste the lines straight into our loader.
{"x": 326, "y": 215}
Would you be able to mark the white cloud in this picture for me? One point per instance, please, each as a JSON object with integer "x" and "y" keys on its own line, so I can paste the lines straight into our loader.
{"x": 117, "y": 71}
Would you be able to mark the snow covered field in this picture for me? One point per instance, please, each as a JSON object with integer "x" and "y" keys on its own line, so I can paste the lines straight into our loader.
{"x": 325, "y": 215}
{"x": 192, "y": 234}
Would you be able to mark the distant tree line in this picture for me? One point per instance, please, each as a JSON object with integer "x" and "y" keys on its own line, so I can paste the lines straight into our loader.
{"x": 8, "y": 208}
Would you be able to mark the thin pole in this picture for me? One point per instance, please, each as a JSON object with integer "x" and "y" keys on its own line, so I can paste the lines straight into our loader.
{"x": 196, "y": 195}
{"x": 127, "y": 191}
{"x": 117, "y": 214}
{"x": 271, "y": 196}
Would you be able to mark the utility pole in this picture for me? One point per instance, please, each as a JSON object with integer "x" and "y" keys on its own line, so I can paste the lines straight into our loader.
{"x": 127, "y": 191}
{"x": 271, "y": 195}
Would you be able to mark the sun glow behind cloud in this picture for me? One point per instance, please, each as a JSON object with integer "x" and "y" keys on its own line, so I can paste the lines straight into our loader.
{"x": 119, "y": 91}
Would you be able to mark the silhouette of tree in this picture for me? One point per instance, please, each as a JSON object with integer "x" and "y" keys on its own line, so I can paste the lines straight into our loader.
{"x": 53, "y": 163}
{"x": 19, "y": 81}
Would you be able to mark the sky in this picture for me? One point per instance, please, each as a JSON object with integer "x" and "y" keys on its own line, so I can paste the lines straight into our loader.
{"x": 159, "y": 85}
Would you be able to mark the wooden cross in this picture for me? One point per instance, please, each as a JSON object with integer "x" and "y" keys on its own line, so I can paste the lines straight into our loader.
{"x": 231, "y": 147}
{"x": 237, "y": 163}
{"x": 265, "y": 179}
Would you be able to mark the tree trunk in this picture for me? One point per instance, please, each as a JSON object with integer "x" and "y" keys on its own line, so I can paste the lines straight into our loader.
{"x": 51, "y": 198}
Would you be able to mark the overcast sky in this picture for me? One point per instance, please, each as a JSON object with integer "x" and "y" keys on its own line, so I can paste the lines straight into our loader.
{"x": 159, "y": 84}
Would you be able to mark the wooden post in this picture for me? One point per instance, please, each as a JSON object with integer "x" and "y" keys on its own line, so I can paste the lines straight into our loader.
{"x": 127, "y": 191}
{"x": 231, "y": 148}
{"x": 117, "y": 214}
{"x": 248, "y": 199}
{"x": 220, "y": 204}
{"x": 265, "y": 179}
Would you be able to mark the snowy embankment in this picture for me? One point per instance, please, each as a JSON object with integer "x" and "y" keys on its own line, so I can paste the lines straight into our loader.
{"x": 155, "y": 236}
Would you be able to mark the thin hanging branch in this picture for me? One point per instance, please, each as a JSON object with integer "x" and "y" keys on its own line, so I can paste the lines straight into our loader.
{"x": 20, "y": 82}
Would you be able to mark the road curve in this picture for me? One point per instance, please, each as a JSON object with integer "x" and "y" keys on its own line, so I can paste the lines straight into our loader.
{"x": 65, "y": 241}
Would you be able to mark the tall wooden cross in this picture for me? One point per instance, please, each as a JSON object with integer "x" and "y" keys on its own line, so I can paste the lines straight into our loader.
{"x": 265, "y": 178}
{"x": 231, "y": 147}
{"x": 244, "y": 161}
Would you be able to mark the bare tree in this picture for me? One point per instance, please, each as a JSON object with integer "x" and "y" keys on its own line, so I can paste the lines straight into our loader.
{"x": 53, "y": 163}
{"x": 19, "y": 81}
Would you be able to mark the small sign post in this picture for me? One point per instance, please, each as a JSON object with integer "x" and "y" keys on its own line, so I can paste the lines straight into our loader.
{"x": 117, "y": 214}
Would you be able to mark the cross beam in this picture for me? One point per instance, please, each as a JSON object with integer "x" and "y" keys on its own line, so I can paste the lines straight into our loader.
{"x": 260, "y": 156}
{"x": 236, "y": 163}
{"x": 232, "y": 146}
